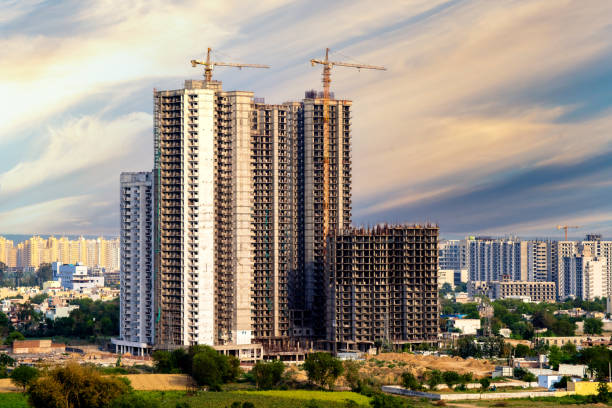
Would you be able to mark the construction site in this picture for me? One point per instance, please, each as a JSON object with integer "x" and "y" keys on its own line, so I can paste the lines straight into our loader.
{"x": 246, "y": 196}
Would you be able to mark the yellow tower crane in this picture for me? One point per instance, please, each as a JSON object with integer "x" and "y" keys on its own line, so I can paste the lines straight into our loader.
{"x": 566, "y": 227}
{"x": 327, "y": 66}
{"x": 208, "y": 65}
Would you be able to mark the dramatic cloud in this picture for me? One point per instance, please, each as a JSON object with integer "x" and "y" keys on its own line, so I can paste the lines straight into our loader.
{"x": 492, "y": 116}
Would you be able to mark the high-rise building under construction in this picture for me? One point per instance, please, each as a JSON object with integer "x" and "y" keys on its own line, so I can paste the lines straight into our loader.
{"x": 239, "y": 223}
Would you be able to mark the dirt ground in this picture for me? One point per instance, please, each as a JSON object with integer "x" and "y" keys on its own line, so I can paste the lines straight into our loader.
{"x": 159, "y": 382}
{"x": 419, "y": 363}
{"x": 387, "y": 368}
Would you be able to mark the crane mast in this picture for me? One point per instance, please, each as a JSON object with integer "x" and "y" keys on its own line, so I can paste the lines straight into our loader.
{"x": 327, "y": 66}
{"x": 209, "y": 64}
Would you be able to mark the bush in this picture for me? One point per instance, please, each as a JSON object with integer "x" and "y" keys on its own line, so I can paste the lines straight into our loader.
{"x": 410, "y": 382}
{"x": 451, "y": 378}
{"x": 485, "y": 383}
{"x": 212, "y": 369}
{"x": 268, "y": 374}
{"x": 323, "y": 369}
{"x": 593, "y": 326}
{"x": 351, "y": 374}
{"x": 387, "y": 401}
{"x": 75, "y": 386}
{"x": 135, "y": 401}
{"x": 434, "y": 378}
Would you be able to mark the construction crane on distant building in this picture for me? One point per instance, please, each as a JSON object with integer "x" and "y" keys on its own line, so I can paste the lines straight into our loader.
{"x": 566, "y": 227}
{"x": 327, "y": 66}
{"x": 208, "y": 65}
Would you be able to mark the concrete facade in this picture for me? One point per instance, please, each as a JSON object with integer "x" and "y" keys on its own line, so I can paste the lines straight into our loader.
{"x": 382, "y": 285}
{"x": 136, "y": 308}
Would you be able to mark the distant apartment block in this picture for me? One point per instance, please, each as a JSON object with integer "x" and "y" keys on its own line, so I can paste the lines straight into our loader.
{"x": 381, "y": 285}
{"x": 584, "y": 277}
{"x": 35, "y": 251}
{"x": 526, "y": 290}
{"x": 453, "y": 254}
{"x": 492, "y": 259}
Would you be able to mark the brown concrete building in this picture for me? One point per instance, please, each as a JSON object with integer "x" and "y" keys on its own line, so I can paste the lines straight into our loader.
{"x": 527, "y": 290}
{"x": 381, "y": 284}
{"x": 37, "y": 347}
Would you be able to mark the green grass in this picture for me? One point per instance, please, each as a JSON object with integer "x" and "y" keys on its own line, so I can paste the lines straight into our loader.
{"x": 316, "y": 395}
{"x": 13, "y": 400}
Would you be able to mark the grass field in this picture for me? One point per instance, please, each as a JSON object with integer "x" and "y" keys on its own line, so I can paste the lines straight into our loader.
{"x": 544, "y": 402}
{"x": 261, "y": 399}
{"x": 13, "y": 400}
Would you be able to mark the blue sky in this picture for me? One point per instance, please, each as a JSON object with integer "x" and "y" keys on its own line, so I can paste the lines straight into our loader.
{"x": 493, "y": 117}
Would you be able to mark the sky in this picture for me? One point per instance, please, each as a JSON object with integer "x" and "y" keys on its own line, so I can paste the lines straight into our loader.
{"x": 493, "y": 117}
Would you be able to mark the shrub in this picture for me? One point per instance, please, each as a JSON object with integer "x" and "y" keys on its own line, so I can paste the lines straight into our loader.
{"x": 136, "y": 401}
{"x": 451, "y": 378}
{"x": 210, "y": 368}
{"x": 434, "y": 378}
{"x": 351, "y": 374}
{"x": 387, "y": 401}
{"x": 74, "y": 386}
{"x": 268, "y": 374}
{"x": 485, "y": 383}
{"x": 410, "y": 382}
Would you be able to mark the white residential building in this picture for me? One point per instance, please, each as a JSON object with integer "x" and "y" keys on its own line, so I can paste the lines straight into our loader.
{"x": 76, "y": 277}
{"x": 137, "y": 312}
{"x": 584, "y": 277}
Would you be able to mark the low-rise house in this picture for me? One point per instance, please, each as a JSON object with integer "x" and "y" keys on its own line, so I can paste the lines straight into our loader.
{"x": 548, "y": 380}
{"x": 466, "y": 326}
{"x": 60, "y": 311}
{"x": 505, "y": 332}
{"x": 503, "y": 371}
{"x": 573, "y": 370}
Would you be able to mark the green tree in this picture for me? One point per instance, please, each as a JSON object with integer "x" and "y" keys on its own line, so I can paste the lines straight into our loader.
{"x": 76, "y": 386}
{"x": 522, "y": 350}
{"x": 543, "y": 319}
{"x": 603, "y": 393}
{"x": 323, "y": 369}
{"x": 163, "y": 361}
{"x": 211, "y": 368}
{"x": 445, "y": 289}
{"x": 467, "y": 347}
{"x": 206, "y": 371}
{"x": 44, "y": 273}
{"x": 268, "y": 374}
{"x": 434, "y": 378}
{"x": 351, "y": 374}
{"x": 564, "y": 327}
{"x": 410, "y": 382}
{"x": 593, "y": 326}
{"x": 562, "y": 383}
{"x": 38, "y": 299}
{"x": 451, "y": 378}
{"x": 485, "y": 383}
{"x": 12, "y": 337}
{"x": 6, "y": 360}
{"x": 597, "y": 359}
{"x": 23, "y": 375}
